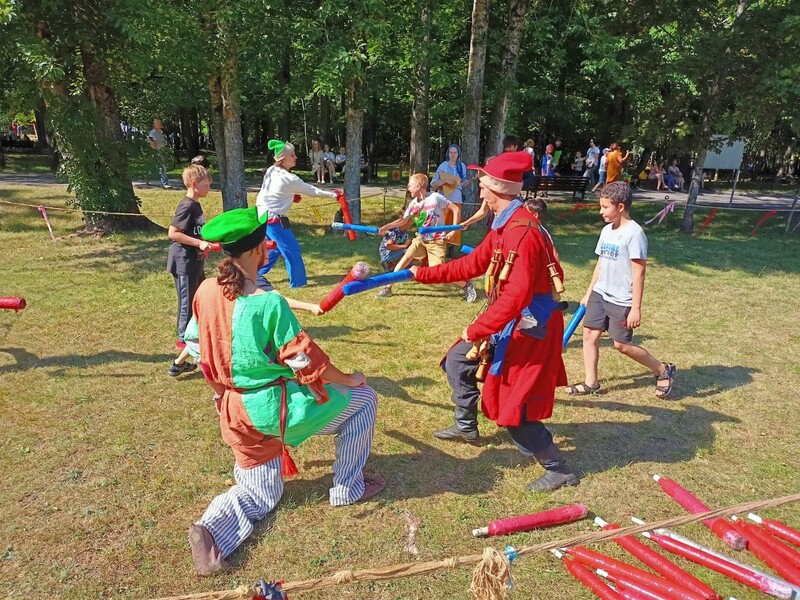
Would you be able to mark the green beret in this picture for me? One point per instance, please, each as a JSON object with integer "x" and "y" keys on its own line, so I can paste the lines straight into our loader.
{"x": 238, "y": 230}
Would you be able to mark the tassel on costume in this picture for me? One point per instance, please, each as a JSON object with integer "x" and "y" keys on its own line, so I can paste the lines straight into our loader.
{"x": 288, "y": 468}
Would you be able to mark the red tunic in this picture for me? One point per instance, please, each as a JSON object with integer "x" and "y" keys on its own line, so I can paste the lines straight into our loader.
{"x": 532, "y": 368}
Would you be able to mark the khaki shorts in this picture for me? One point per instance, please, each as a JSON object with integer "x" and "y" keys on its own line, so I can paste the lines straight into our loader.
{"x": 435, "y": 251}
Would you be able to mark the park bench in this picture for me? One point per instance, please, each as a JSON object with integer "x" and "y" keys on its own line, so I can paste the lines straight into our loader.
{"x": 18, "y": 145}
{"x": 569, "y": 183}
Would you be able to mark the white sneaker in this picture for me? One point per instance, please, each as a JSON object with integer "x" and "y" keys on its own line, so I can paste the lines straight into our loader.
{"x": 470, "y": 295}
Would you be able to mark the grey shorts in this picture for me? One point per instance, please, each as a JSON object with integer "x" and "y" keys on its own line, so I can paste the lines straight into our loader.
{"x": 607, "y": 316}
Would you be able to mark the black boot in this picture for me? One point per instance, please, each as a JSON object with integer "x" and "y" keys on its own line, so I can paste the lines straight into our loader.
{"x": 465, "y": 429}
{"x": 557, "y": 472}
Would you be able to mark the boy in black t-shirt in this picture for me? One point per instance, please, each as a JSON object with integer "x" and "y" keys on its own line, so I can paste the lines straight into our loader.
{"x": 186, "y": 256}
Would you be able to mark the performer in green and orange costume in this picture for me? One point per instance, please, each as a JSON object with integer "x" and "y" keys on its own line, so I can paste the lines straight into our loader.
{"x": 274, "y": 387}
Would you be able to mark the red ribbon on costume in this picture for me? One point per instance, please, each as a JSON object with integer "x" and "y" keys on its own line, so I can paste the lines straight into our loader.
{"x": 707, "y": 221}
{"x": 288, "y": 468}
{"x": 763, "y": 220}
{"x": 340, "y": 197}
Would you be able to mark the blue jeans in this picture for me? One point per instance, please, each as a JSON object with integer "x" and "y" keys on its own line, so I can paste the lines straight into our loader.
{"x": 162, "y": 174}
{"x": 289, "y": 248}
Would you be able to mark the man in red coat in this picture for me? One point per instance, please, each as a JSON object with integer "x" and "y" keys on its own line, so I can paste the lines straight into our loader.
{"x": 522, "y": 323}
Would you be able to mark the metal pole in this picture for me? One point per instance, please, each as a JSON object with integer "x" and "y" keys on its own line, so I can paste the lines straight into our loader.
{"x": 733, "y": 191}
{"x": 791, "y": 212}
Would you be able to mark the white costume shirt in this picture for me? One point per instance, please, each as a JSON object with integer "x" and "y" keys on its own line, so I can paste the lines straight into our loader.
{"x": 278, "y": 189}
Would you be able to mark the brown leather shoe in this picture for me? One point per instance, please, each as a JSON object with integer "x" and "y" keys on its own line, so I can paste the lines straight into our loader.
{"x": 207, "y": 557}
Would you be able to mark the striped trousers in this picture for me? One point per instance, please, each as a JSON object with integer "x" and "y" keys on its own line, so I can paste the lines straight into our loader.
{"x": 230, "y": 516}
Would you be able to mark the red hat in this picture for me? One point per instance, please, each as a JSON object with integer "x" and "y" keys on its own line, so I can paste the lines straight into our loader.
{"x": 503, "y": 173}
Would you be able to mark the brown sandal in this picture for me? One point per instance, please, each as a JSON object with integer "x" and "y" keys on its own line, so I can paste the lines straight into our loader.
{"x": 374, "y": 484}
{"x": 583, "y": 389}
{"x": 664, "y": 389}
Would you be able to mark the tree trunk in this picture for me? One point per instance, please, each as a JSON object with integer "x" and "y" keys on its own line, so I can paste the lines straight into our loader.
{"x": 189, "y": 132}
{"x": 234, "y": 188}
{"x": 355, "y": 131}
{"x": 217, "y": 125}
{"x": 371, "y": 137}
{"x": 508, "y": 69}
{"x": 44, "y": 135}
{"x": 284, "y": 75}
{"x": 244, "y": 129}
{"x": 706, "y": 128}
{"x": 265, "y": 133}
{"x": 113, "y": 175}
{"x": 40, "y": 113}
{"x": 419, "y": 154}
{"x": 325, "y": 121}
{"x": 781, "y": 173}
{"x": 473, "y": 99}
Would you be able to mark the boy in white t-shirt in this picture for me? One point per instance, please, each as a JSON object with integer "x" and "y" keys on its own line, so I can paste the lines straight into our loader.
{"x": 613, "y": 300}
{"x": 426, "y": 211}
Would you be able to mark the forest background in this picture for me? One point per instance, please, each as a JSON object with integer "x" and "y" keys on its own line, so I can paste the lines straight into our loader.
{"x": 396, "y": 82}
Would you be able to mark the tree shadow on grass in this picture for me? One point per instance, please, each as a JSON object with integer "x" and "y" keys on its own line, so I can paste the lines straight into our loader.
{"x": 393, "y": 388}
{"x": 134, "y": 257}
{"x": 409, "y": 473}
{"x": 671, "y": 434}
{"x": 329, "y": 332}
{"x": 27, "y": 360}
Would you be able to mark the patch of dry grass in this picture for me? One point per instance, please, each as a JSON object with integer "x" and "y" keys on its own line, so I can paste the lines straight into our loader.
{"x": 107, "y": 460}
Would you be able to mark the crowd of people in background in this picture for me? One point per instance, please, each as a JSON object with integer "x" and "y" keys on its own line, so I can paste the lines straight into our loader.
{"x": 17, "y": 135}
{"x": 550, "y": 159}
{"x": 601, "y": 167}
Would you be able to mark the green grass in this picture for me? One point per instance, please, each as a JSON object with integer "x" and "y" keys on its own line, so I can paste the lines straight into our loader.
{"x": 106, "y": 460}
{"x": 26, "y": 162}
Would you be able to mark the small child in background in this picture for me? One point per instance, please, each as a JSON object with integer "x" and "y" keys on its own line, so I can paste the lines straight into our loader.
{"x": 538, "y": 208}
{"x": 548, "y": 169}
{"x": 425, "y": 210}
{"x": 186, "y": 256}
{"x": 577, "y": 165}
{"x": 393, "y": 246}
